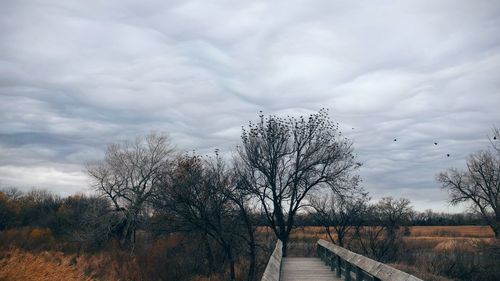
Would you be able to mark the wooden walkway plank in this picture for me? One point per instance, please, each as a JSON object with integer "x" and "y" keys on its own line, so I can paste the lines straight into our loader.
{"x": 306, "y": 269}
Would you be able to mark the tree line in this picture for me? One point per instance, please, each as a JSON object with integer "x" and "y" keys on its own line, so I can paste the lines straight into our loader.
{"x": 285, "y": 171}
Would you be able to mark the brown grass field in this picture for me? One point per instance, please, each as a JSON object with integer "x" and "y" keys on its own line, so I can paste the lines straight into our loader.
{"x": 477, "y": 231}
{"x": 474, "y": 231}
{"x": 444, "y": 242}
{"x": 421, "y": 237}
{"x": 19, "y": 265}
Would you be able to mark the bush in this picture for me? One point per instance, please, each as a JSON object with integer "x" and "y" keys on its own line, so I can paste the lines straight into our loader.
{"x": 28, "y": 238}
{"x": 465, "y": 259}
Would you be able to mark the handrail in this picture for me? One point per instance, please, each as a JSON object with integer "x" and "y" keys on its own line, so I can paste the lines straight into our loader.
{"x": 348, "y": 263}
{"x": 273, "y": 268}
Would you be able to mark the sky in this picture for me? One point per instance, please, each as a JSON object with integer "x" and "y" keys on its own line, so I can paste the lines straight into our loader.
{"x": 78, "y": 75}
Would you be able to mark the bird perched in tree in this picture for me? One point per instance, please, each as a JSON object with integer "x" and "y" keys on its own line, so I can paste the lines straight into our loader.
{"x": 448, "y": 155}
{"x": 494, "y": 137}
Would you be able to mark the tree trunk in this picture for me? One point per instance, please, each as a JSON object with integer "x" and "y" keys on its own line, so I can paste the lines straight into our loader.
{"x": 496, "y": 231}
{"x": 252, "y": 246}
{"x": 210, "y": 257}
{"x": 253, "y": 258}
{"x": 327, "y": 228}
{"x": 285, "y": 234}
{"x": 496, "y": 228}
{"x": 284, "y": 249}
{"x": 126, "y": 233}
{"x": 340, "y": 238}
{"x": 231, "y": 265}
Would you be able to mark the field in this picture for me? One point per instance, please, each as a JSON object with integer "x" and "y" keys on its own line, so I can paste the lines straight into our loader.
{"x": 435, "y": 237}
{"x": 430, "y": 252}
{"x": 477, "y": 231}
{"x": 25, "y": 257}
{"x": 417, "y": 233}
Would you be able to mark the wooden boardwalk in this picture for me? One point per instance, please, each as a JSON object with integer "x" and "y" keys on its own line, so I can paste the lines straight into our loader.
{"x": 306, "y": 269}
{"x": 313, "y": 269}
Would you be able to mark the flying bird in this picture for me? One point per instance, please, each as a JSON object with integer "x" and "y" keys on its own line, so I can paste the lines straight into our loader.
{"x": 448, "y": 155}
{"x": 435, "y": 143}
{"x": 395, "y": 140}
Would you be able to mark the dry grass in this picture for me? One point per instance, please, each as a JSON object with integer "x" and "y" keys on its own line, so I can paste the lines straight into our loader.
{"x": 16, "y": 265}
{"x": 434, "y": 233}
{"x": 479, "y": 231}
{"x": 309, "y": 233}
{"x": 419, "y": 273}
{"x": 36, "y": 264}
{"x": 440, "y": 238}
{"x": 429, "y": 252}
{"x": 239, "y": 270}
{"x": 164, "y": 259}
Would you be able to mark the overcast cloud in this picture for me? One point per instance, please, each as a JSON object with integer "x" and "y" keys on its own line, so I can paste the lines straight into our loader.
{"x": 77, "y": 75}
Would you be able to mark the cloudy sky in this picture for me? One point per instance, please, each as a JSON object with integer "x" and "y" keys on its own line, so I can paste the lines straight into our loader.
{"x": 77, "y": 75}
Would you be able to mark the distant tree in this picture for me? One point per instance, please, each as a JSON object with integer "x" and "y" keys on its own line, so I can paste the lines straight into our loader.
{"x": 340, "y": 213}
{"x": 6, "y": 211}
{"x": 129, "y": 175}
{"x": 392, "y": 213}
{"x": 285, "y": 159}
{"x": 478, "y": 184}
{"x": 380, "y": 239}
{"x": 13, "y": 193}
{"x": 85, "y": 219}
{"x": 38, "y": 207}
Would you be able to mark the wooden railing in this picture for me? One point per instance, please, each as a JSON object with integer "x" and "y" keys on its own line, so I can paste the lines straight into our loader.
{"x": 273, "y": 268}
{"x": 357, "y": 267}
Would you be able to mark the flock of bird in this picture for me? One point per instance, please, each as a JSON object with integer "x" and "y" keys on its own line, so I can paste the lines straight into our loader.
{"x": 435, "y": 143}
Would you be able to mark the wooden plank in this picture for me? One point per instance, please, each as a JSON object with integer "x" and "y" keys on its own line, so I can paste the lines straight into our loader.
{"x": 306, "y": 269}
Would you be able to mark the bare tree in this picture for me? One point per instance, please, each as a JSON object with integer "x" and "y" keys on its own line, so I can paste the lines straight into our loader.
{"x": 392, "y": 213}
{"x": 129, "y": 175}
{"x": 284, "y": 159}
{"x": 379, "y": 238}
{"x": 12, "y": 192}
{"x": 202, "y": 195}
{"x": 478, "y": 184}
{"x": 339, "y": 212}
{"x": 87, "y": 220}
{"x": 241, "y": 197}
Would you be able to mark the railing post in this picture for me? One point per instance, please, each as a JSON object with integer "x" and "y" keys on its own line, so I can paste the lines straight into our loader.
{"x": 359, "y": 274}
{"x": 357, "y": 267}
{"x": 332, "y": 261}
{"x": 338, "y": 269}
{"x": 347, "y": 271}
{"x": 326, "y": 256}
